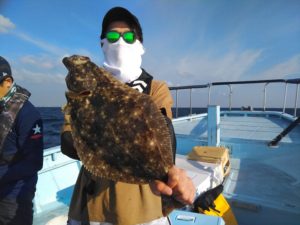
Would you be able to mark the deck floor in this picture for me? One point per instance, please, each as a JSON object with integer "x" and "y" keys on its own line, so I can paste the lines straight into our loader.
{"x": 241, "y": 127}
{"x": 258, "y": 176}
{"x": 262, "y": 180}
{"x": 45, "y": 217}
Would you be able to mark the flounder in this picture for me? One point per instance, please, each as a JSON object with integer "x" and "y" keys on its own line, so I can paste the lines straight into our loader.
{"x": 119, "y": 133}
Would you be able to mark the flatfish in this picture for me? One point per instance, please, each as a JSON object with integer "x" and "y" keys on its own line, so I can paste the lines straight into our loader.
{"x": 119, "y": 133}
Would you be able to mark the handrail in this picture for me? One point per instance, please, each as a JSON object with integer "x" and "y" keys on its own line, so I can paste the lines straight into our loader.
{"x": 229, "y": 83}
{"x": 250, "y": 82}
{"x": 189, "y": 86}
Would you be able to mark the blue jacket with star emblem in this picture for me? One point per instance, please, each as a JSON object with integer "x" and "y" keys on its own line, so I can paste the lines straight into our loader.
{"x": 22, "y": 155}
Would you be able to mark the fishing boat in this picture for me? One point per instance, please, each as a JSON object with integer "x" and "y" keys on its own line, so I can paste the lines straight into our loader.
{"x": 263, "y": 184}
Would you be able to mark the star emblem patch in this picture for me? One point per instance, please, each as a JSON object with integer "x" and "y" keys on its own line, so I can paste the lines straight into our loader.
{"x": 37, "y": 133}
{"x": 37, "y": 129}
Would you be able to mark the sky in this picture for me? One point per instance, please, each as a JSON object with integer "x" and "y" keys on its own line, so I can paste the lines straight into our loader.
{"x": 186, "y": 43}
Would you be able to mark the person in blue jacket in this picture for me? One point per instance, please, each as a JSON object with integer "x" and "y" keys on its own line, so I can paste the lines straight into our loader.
{"x": 21, "y": 150}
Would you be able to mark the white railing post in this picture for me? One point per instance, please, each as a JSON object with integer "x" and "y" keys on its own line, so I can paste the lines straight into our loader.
{"x": 208, "y": 95}
{"x": 213, "y": 125}
{"x": 296, "y": 100}
{"x": 230, "y": 96}
{"x": 191, "y": 101}
{"x": 265, "y": 96}
{"x": 176, "y": 113}
{"x": 284, "y": 100}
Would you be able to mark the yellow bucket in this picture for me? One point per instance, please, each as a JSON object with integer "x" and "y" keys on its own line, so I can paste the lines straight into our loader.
{"x": 223, "y": 210}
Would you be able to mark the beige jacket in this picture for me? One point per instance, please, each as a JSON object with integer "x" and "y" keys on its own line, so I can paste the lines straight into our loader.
{"x": 117, "y": 202}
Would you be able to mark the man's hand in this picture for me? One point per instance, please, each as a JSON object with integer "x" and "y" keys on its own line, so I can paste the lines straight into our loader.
{"x": 179, "y": 185}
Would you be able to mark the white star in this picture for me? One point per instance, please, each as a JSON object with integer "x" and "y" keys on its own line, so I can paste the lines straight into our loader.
{"x": 37, "y": 129}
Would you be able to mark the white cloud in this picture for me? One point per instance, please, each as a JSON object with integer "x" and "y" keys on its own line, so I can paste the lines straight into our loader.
{"x": 41, "y": 44}
{"x": 5, "y": 24}
{"x": 52, "y": 49}
{"x": 229, "y": 67}
{"x": 39, "y": 62}
{"x": 40, "y": 69}
{"x": 40, "y": 77}
{"x": 43, "y": 69}
{"x": 44, "y": 76}
{"x": 285, "y": 70}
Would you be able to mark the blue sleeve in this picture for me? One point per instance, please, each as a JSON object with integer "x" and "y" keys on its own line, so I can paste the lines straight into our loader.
{"x": 29, "y": 127}
{"x": 25, "y": 144}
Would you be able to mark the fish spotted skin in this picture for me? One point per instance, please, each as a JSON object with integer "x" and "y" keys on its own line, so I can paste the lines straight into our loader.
{"x": 119, "y": 133}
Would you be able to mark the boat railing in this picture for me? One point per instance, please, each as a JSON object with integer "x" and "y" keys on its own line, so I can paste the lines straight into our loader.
{"x": 208, "y": 86}
{"x": 51, "y": 155}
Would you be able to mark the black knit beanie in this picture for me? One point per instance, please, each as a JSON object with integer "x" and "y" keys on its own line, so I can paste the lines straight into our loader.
{"x": 5, "y": 70}
{"x": 121, "y": 14}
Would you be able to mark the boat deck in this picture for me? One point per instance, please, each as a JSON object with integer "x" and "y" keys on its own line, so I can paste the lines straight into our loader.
{"x": 260, "y": 180}
{"x": 240, "y": 125}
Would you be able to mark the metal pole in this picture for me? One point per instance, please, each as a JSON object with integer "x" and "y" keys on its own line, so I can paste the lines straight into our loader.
{"x": 209, "y": 95}
{"x": 190, "y": 101}
{"x": 265, "y": 96}
{"x": 296, "y": 100}
{"x": 284, "y": 102}
{"x": 230, "y": 94}
{"x": 278, "y": 138}
{"x": 213, "y": 125}
{"x": 176, "y": 103}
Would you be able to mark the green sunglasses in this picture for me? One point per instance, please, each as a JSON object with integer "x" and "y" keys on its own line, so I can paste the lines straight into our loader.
{"x": 114, "y": 36}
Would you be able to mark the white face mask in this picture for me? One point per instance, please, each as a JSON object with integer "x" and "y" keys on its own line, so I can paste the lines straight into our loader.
{"x": 122, "y": 59}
